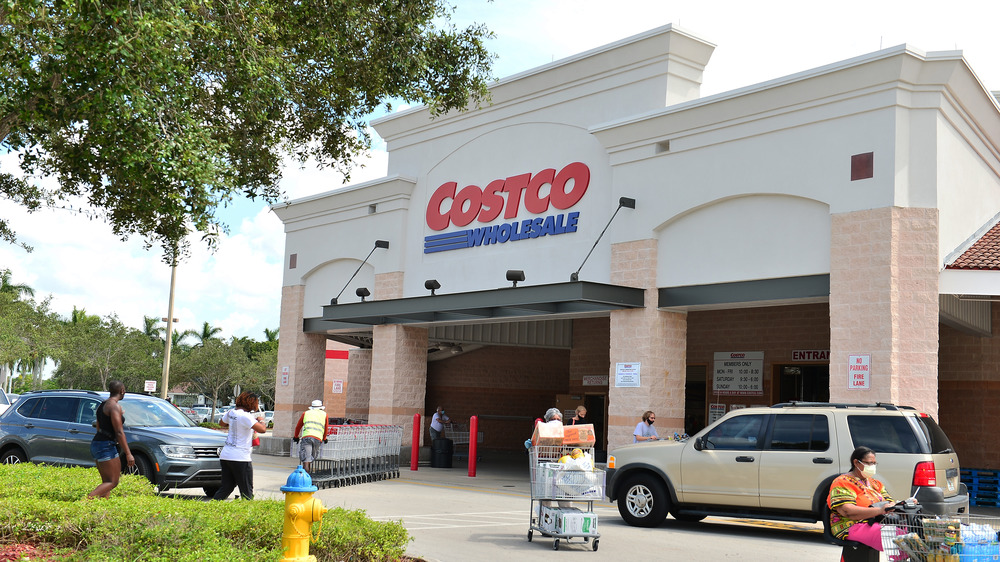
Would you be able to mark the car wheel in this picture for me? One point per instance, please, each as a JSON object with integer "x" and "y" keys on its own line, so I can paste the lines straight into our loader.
{"x": 142, "y": 468}
{"x": 210, "y": 491}
{"x": 642, "y": 501}
{"x": 14, "y": 456}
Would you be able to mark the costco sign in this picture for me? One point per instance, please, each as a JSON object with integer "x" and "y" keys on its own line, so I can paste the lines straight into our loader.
{"x": 547, "y": 191}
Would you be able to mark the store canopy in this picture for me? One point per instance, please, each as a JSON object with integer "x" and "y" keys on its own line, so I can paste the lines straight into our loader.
{"x": 558, "y": 300}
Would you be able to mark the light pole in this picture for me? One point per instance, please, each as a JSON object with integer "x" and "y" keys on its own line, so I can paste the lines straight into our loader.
{"x": 170, "y": 332}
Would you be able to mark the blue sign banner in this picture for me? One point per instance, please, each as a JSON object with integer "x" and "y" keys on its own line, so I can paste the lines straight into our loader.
{"x": 502, "y": 233}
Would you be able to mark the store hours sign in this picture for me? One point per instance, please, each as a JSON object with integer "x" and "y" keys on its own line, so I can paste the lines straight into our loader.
{"x": 738, "y": 373}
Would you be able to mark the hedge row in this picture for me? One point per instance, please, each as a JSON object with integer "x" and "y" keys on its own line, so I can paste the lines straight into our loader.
{"x": 47, "y": 506}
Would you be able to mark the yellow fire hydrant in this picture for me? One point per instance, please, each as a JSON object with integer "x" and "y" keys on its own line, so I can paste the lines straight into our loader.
{"x": 301, "y": 511}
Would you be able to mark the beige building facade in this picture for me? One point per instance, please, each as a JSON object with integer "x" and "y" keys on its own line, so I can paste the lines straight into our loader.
{"x": 600, "y": 234}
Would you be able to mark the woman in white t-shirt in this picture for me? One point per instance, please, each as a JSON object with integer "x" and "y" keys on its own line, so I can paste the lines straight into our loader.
{"x": 237, "y": 469}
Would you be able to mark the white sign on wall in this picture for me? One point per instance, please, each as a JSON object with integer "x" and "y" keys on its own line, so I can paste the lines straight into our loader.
{"x": 738, "y": 373}
{"x": 627, "y": 375}
{"x": 859, "y": 374}
{"x": 338, "y": 387}
{"x": 284, "y": 376}
{"x": 715, "y": 411}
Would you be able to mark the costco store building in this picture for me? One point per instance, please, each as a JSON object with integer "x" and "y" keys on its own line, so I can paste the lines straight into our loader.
{"x": 602, "y": 235}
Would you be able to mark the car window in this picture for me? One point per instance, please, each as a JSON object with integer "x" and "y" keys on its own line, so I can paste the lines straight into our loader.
{"x": 152, "y": 413}
{"x": 87, "y": 414}
{"x": 57, "y": 408}
{"x": 886, "y": 434}
{"x": 740, "y": 432}
{"x": 800, "y": 432}
{"x": 934, "y": 434}
{"x": 27, "y": 407}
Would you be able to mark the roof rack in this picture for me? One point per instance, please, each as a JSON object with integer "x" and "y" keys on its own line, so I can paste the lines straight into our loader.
{"x": 794, "y": 404}
{"x": 44, "y": 390}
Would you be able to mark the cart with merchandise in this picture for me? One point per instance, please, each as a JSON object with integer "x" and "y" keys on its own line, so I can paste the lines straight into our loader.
{"x": 563, "y": 479}
{"x": 929, "y": 538}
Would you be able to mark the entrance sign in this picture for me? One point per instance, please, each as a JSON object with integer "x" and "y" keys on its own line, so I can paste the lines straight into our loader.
{"x": 810, "y": 355}
{"x": 859, "y": 375}
{"x": 595, "y": 380}
{"x": 738, "y": 373}
{"x": 627, "y": 375}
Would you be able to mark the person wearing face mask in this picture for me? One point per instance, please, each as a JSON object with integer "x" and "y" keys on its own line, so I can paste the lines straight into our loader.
{"x": 856, "y": 498}
{"x": 644, "y": 431}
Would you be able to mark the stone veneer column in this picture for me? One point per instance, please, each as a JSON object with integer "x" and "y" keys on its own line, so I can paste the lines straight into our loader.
{"x": 655, "y": 339}
{"x": 305, "y": 357}
{"x": 884, "y": 275}
{"x": 359, "y": 371}
{"x": 399, "y": 376}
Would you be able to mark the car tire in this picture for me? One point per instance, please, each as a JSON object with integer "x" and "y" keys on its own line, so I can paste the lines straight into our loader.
{"x": 13, "y": 456}
{"x": 142, "y": 468}
{"x": 642, "y": 501}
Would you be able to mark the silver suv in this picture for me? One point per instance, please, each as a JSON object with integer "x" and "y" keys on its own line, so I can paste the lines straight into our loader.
{"x": 779, "y": 462}
{"x": 55, "y": 427}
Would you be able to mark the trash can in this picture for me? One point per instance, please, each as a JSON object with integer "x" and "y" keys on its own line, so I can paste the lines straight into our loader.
{"x": 441, "y": 453}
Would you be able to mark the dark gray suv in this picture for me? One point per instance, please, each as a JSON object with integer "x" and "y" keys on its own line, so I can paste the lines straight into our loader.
{"x": 55, "y": 427}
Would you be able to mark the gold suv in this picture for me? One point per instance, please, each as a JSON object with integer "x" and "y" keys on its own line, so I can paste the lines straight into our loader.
{"x": 778, "y": 463}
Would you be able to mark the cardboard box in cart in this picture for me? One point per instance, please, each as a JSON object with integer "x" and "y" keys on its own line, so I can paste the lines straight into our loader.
{"x": 568, "y": 521}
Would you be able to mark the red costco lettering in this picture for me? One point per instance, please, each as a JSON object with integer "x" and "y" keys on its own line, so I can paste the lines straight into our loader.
{"x": 565, "y": 189}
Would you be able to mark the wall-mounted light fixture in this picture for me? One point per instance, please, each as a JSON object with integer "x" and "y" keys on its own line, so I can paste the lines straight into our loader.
{"x": 384, "y": 244}
{"x": 626, "y": 202}
{"x": 432, "y": 285}
{"x": 363, "y": 292}
{"x": 515, "y": 275}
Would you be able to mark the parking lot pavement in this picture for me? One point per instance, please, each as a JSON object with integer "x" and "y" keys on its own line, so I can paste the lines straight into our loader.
{"x": 453, "y": 517}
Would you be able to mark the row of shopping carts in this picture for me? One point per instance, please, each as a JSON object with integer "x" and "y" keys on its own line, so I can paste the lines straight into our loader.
{"x": 354, "y": 454}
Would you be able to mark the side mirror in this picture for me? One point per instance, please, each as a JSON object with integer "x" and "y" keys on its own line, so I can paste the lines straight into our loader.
{"x": 698, "y": 444}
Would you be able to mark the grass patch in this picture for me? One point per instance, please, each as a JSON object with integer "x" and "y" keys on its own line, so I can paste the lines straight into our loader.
{"x": 45, "y": 506}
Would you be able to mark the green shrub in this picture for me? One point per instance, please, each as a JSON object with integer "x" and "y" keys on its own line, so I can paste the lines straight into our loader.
{"x": 47, "y": 506}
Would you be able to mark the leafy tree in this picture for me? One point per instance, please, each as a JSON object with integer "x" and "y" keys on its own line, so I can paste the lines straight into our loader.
{"x": 207, "y": 333}
{"x": 270, "y": 335}
{"x": 152, "y": 329}
{"x": 19, "y": 291}
{"x": 212, "y": 368}
{"x": 94, "y": 353}
{"x": 158, "y": 112}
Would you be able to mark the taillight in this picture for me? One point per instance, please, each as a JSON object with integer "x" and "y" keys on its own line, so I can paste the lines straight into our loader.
{"x": 611, "y": 461}
{"x": 924, "y": 474}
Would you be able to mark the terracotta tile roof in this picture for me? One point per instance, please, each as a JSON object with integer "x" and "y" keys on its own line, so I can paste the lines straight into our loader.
{"x": 983, "y": 254}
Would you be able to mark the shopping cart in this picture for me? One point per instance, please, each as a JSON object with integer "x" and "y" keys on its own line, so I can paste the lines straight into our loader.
{"x": 923, "y": 538}
{"x": 555, "y": 487}
{"x": 459, "y": 435}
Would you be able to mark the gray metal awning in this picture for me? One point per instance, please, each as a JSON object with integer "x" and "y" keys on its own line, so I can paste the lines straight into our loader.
{"x": 558, "y": 300}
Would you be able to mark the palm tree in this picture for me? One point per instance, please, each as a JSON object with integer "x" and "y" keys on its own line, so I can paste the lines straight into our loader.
{"x": 151, "y": 329}
{"x": 18, "y": 291}
{"x": 207, "y": 333}
{"x": 270, "y": 335}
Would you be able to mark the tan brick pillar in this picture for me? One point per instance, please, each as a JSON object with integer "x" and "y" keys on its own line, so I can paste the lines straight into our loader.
{"x": 359, "y": 371}
{"x": 657, "y": 340}
{"x": 884, "y": 303}
{"x": 304, "y": 357}
{"x": 399, "y": 376}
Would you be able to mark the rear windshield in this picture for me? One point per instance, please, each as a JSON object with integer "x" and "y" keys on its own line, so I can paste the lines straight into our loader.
{"x": 934, "y": 434}
{"x": 887, "y": 434}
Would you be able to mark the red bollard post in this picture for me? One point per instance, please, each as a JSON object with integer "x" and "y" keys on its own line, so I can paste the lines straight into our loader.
{"x": 415, "y": 444}
{"x": 473, "y": 444}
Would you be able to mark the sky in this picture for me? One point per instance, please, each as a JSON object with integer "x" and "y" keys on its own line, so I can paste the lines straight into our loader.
{"x": 80, "y": 263}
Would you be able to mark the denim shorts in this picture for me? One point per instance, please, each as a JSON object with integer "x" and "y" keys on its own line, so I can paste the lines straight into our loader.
{"x": 103, "y": 450}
